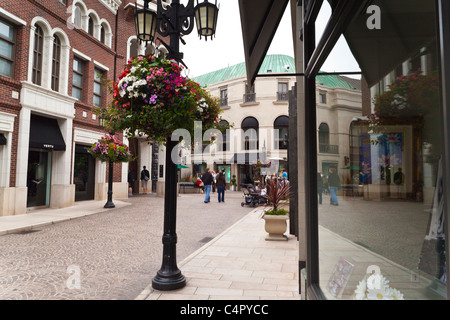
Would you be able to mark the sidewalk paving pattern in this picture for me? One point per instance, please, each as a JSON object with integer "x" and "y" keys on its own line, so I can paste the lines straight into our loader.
{"x": 240, "y": 264}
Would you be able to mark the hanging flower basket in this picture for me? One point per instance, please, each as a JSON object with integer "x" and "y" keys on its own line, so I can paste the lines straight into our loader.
{"x": 151, "y": 97}
{"x": 409, "y": 97}
{"x": 109, "y": 148}
{"x": 259, "y": 164}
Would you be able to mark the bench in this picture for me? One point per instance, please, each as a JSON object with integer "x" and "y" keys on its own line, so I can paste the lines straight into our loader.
{"x": 188, "y": 187}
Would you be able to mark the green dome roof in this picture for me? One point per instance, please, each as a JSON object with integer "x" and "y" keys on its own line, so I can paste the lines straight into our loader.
{"x": 275, "y": 63}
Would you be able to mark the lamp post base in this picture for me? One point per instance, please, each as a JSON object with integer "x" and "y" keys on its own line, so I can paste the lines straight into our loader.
{"x": 168, "y": 282}
{"x": 109, "y": 205}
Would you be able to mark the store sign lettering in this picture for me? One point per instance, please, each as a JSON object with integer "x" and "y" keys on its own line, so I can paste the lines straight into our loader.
{"x": 49, "y": 146}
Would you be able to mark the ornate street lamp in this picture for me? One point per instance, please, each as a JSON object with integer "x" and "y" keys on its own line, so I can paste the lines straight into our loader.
{"x": 173, "y": 20}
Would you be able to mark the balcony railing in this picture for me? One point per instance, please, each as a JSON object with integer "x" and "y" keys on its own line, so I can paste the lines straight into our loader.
{"x": 282, "y": 96}
{"x": 328, "y": 148}
{"x": 250, "y": 97}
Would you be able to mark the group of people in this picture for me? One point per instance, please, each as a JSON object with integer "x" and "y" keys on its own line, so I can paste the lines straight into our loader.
{"x": 333, "y": 182}
{"x": 212, "y": 179}
{"x": 145, "y": 177}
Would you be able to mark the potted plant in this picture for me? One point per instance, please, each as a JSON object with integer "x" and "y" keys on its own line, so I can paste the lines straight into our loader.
{"x": 276, "y": 218}
{"x": 233, "y": 183}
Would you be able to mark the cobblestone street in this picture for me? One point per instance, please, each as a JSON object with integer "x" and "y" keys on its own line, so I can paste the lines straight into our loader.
{"x": 117, "y": 252}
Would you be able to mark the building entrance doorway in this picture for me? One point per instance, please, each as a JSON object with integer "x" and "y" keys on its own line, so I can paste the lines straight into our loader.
{"x": 39, "y": 178}
{"x": 84, "y": 174}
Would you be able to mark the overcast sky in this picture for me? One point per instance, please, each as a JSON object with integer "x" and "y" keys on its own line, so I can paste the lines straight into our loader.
{"x": 226, "y": 48}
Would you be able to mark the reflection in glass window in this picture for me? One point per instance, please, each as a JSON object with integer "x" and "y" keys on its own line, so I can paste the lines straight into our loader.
{"x": 77, "y": 80}
{"x": 389, "y": 215}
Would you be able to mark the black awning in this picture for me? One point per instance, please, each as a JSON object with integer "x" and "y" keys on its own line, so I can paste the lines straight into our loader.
{"x": 406, "y": 26}
{"x": 45, "y": 134}
{"x": 259, "y": 21}
{"x": 245, "y": 158}
{"x": 2, "y": 139}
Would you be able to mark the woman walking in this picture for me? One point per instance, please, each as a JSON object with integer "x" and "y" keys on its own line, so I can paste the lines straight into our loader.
{"x": 220, "y": 183}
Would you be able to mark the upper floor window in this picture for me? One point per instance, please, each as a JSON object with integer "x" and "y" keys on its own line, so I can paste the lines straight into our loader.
{"x": 322, "y": 97}
{"x": 7, "y": 43}
{"x": 223, "y": 97}
{"x": 56, "y": 62}
{"x": 77, "y": 16}
{"x": 250, "y": 95}
{"x": 97, "y": 87}
{"x": 77, "y": 80}
{"x": 282, "y": 94}
{"x": 37, "y": 55}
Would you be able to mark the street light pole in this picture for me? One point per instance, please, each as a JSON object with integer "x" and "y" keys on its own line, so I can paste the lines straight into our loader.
{"x": 173, "y": 20}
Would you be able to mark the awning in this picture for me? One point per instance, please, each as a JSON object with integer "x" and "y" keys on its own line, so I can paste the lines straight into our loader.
{"x": 180, "y": 166}
{"x": 259, "y": 22}
{"x": 45, "y": 134}
{"x": 406, "y": 26}
{"x": 2, "y": 139}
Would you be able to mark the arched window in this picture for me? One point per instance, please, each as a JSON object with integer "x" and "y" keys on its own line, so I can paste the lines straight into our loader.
{"x": 281, "y": 127}
{"x": 250, "y": 126}
{"x": 102, "y": 35}
{"x": 91, "y": 26}
{"x": 77, "y": 16}
{"x": 324, "y": 134}
{"x": 37, "y": 55}
{"x": 56, "y": 62}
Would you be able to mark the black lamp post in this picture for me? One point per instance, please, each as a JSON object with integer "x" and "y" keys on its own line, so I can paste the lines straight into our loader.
{"x": 173, "y": 20}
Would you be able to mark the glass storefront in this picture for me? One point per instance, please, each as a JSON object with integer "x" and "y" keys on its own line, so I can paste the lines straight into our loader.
{"x": 39, "y": 178}
{"x": 84, "y": 174}
{"x": 387, "y": 217}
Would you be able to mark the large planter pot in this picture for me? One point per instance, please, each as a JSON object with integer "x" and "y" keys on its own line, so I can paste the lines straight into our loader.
{"x": 276, "y": 226}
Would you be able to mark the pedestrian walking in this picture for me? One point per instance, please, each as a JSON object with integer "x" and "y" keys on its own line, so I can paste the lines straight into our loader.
{"x": 130, "y": 182}
{"x": 208, "y": 180}
{"x": 145, "y": 177}
{"x": 220, "y": 183}
{"x": 334, "y": 184}
{"x": 214, "y": 174}
{"x": 319, "y": 186}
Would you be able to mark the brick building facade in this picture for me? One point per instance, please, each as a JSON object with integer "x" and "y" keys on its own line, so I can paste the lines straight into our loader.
{"x": 53, "y": 58}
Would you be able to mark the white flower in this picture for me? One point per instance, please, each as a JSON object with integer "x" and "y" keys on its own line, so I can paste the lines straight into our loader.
{"x": 361, "y": 290}
{"x": 377, "y": 281}
{"x": 396, "y": 295}
{"x": 383, "y": 293}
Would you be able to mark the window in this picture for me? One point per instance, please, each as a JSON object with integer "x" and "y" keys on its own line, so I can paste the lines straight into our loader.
{"x": 56, "y": 62}
{"x": 77, "y": 16}
{"x": 250, "y": 126}
{"x": 282, "y": 94}
{"x": 322, "y": 97}
{"x": 91, "y": 26}
{"x": 7, "y": 39}
{"x": 97, "y": 87}
{"x": 64, "y": 2}
{"x": 250, "y": 95}
{"x": 223, "y": 97}
{"x": 281, "y": 126}
{"x": 77, "y": 80}
{"x": 37, "y": 55}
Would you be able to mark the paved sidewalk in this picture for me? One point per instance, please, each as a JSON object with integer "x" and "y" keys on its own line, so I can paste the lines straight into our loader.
{"x": 238, "y": 264}
{"x": 37, "y": 218}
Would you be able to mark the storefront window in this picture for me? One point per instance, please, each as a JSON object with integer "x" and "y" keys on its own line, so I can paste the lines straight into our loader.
{"x": 380, "y": 203}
